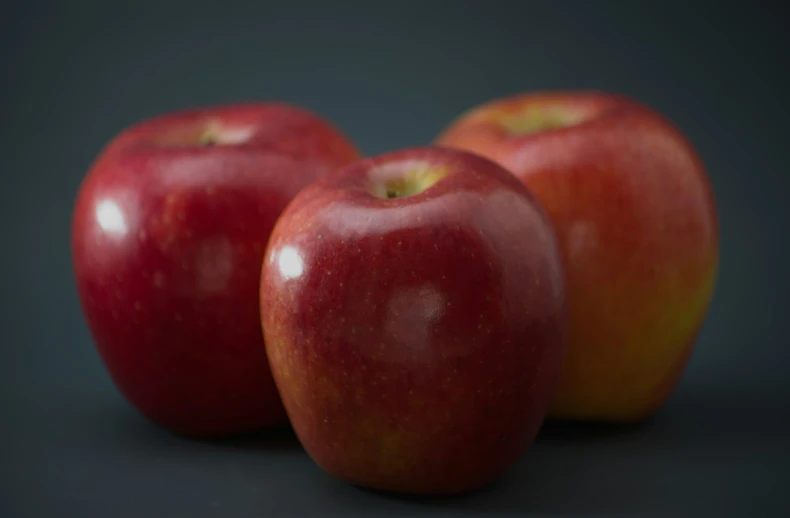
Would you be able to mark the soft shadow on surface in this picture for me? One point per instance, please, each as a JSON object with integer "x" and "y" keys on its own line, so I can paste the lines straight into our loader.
{"x": 448, "y": 500}
{"x": 119, "y": 420}
{"x": 280, "y": 438}
{"x": 124, "y": 422}
{"x": 569, "y": 431}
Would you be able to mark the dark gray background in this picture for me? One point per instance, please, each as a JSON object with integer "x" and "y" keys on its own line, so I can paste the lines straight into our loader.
{"x": 390, "y": 74}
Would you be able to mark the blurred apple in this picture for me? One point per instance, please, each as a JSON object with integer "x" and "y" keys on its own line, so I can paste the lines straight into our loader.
{"x": 638, "y": 228}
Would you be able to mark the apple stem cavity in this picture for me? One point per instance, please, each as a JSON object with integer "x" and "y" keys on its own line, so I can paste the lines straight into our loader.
{"x": 536, "y": 120}
{"x": 215, "y": 135}
{"x": 407, "y": 180}
{"x": 208, "y": 141}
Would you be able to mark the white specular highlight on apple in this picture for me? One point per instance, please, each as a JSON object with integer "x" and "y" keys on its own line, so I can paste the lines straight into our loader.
{"x": 290, "y": 264}
{"x": 110, "y": 218}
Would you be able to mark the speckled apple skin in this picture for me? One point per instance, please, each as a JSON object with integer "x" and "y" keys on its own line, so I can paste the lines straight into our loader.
{"x": 415, "y": 341}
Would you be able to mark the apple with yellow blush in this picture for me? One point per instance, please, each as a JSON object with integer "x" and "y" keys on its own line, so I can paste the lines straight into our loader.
{"x": 637, "y": 222}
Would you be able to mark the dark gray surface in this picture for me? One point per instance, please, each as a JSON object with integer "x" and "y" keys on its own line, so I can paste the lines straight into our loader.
{"x": 391, "y": 75}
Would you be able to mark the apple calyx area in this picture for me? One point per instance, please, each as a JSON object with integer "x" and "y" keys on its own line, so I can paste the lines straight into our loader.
{"x": 203, "y": 134}
{"x": 536, "y": 119}
{"x": 404, "y": 179}
{"x": 215, "y": 135}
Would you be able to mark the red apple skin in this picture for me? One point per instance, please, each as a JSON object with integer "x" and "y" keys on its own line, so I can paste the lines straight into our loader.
{"x": 638, "y": 228}
{"x": 415, "y": 341}
{"x": 167, "y": 241}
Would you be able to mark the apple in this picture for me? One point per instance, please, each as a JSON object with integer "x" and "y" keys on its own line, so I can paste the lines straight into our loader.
{"x": 168, "y": 234}
{"x": 414, "y": 316}
{"x": 636, "y": 218}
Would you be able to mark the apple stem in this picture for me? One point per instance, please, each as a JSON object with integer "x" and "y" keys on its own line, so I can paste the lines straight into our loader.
{"x": 208, "y": 139}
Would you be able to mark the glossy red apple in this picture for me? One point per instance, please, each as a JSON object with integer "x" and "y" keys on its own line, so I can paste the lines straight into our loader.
{"x": 638, "y": 227}
{"x": 414, "y": 316}
{"x": 169, "y": 231}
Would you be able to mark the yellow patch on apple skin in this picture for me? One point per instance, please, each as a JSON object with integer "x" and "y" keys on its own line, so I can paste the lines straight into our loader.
{"x": 622, "y": 371}
{"x": 387, "y": 453}
{"x": 324, "y": 388}
{"x": 397, "y": 452}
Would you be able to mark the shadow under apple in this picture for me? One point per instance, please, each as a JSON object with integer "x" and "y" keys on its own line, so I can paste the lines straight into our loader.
{"x": 129, "y": 426}
{"x": 281, "y": 438}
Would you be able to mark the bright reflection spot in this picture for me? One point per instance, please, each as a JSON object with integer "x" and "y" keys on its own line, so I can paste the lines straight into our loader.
{"x": 110, "y": 217}
{"x": 291, "y": 265}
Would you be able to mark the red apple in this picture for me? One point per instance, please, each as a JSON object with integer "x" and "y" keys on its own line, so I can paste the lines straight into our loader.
{"x": 169, "y": 231}
{"x": 638, "y": 228}
{"x": 414, "y": 316}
